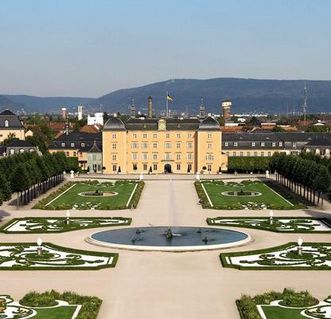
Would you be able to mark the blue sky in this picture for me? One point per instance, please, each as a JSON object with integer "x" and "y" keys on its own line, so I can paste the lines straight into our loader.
{"x": 92, "y": 47}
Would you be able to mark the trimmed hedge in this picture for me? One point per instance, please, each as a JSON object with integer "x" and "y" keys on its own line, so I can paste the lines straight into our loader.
{"x": 67, "y": 250}
{"x": 66, "y": 228}
{"x": 272, "y": 227}
{"x": 248, "y": 164}
{"x": 136, "y": 196}
{"x": 270, "y": 250}
{"x": 90, "y": 305}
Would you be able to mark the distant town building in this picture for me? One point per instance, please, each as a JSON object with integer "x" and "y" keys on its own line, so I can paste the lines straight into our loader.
{"x": 10, "y": 125}
{"x": 19, "y": 146}
{"x": 97, "y": 119}
{"x": 226, "y": 109}
{"x": 80, "y": 112}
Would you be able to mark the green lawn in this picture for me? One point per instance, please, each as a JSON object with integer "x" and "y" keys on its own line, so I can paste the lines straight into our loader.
{"x": 275, "y": 312}
{"x": 268, "y": 198}
{"x": 71, "y": 196}
{"x": 63, "y": 312}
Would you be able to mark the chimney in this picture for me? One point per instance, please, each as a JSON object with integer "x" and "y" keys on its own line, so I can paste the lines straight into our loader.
{"x": 150, "y": 107}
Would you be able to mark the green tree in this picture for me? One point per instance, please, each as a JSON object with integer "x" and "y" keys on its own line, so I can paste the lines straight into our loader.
{"x": 5, "y": 187}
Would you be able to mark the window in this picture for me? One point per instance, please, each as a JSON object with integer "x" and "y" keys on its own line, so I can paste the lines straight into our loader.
{"x": 22, "y": 151}
{"x": 82, "y": 144}
{"x": 189, "y": 156}
{"x": 253, "y": 144}
{"x": 255, "y": 153}
{"x": 178, "y": 157}
{"x": 167, "y": 145}
{"x": 178, "y": 167}
{"x": 294, "y": 144}
{"x": 209, "y": 168}
{"x": 235, "y": 144}
{"x": 189, "y": 168}
{"x": 262, "y": 154}
{"x": 269, "y": 153}
{"x": 144, "y": 135}
{"x": 209, "y": 135}
{"x": 114, "y": 168}
{"x": 209, "y": 157}
{"x": 227, "y": 153}
{"x": 63, "y": 144}
{"x": 67, "y": 153}
{"x": 234, "y": 153}
{"x": 13, "y": 152}
{"x": 114, "y": 146}
{"x": 113, "y": 135}
{"x": 134, "y": 135}
{"x": 154, "y": 167}
{"x": 154, "y": 135}
{"x": 226, "y": 144}
{"x": 154, "y": 156}
{"x": 144, "y": 145}
{"x": 114, "y": 157}
{"x": 280, "y": 144}
{"x": 72, "y": 144}
{"x": 178, "y": 135}
{"x": 6, "y": 123}
{"x": 167, "y": 156}
{"x": 134, "y": 156}
{"x": 134, "y": 145}
{"x": 178, "y": 145}
{"x": 135, "y": 167}
{"x": 262, "y": 143}
{"x": 167, "y": 135}
{"x": 248, "y": 153}
{"x": 209, "y": 146}
{"x": 154, "y": 145}
{"x": 189, "y": 144}
{"x": 145, "y": 156}
{"x": 145, "y": 167}
{"x": 75, "y": 154}
{"x": 189, "y": 135}
{"x": 273, "y": 144}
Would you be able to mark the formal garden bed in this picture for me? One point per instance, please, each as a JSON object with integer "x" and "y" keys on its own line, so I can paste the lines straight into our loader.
{"x": 91, "y": 195}
{"x": 313, "y": 256}
{"x": 242, "y": 195}
{"x": 50, "y": 305}
{"x": 286, "y": 305}
{"x": 59, "y": 225}
{"x": 47, "y": 256}
{"x": 278, "y": 224}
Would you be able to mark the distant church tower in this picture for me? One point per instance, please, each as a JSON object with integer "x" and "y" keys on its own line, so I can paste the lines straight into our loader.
{"x": 226, "y": 109}
{"x": 132, "y": 108}
{"x": 150, "y": 107}
{"x": 202, "y": 109}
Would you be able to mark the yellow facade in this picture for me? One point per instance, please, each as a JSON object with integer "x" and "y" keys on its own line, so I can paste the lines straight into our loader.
{"x": 159, "y": 150}
{"x": 18, "y": 133}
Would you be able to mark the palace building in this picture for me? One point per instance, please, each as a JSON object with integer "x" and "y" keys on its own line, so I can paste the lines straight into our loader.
{"x": 162, "y": 145}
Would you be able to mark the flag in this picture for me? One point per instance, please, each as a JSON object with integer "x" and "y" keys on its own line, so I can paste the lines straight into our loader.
{"x": 170, "y": 98}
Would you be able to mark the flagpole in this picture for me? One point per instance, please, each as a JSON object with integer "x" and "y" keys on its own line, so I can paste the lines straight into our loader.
{"x": 167, "y": 106}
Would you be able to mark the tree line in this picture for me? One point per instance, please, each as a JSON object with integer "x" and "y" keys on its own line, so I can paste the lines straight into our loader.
{"x": 307, "y": 175}
{"x": 30, "y": 174}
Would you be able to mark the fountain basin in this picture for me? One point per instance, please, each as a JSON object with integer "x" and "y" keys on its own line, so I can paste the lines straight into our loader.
{"x": 156, "y": 238}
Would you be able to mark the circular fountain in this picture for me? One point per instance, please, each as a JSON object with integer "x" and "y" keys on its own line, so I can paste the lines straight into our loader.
{"x": 160, "y": 238}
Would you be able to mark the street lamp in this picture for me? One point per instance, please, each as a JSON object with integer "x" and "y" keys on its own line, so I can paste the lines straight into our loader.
{"x": 68, "y": 217}
{"x": 39, "y": 249}
{"x": 300, "y": 242}
{"x": 271, "y": 215}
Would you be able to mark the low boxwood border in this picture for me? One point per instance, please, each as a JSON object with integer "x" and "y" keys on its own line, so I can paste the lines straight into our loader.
{"x": 202, "y": 195}
{"x": 136, "y": 196}
{"x": 2, "y": 228}
{"x": 225, "y": 264}
{"x": 323, "y": 220}
{"x": 67, "y": 250}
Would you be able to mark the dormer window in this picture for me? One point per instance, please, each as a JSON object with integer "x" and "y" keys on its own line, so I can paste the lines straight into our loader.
{"x": 253, "y": 143}
{"x": 82, "y": 144}
{"x": 72, "y": 144}
{"x": 63, "y": 144}
{"x": 6, "y": 123}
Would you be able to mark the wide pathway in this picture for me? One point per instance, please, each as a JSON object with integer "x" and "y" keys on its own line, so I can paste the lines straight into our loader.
{"x": 164, "y": 285}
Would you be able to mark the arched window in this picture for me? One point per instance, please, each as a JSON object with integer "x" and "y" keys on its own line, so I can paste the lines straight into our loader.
{"x": 6, "y": 123}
